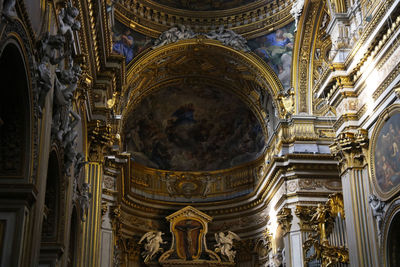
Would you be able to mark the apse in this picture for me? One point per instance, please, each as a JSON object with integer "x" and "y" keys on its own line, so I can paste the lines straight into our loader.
{"x": 186, "y": 127}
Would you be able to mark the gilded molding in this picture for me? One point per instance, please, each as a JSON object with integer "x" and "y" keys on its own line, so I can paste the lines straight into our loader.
{"x": 250, "y": 20}
{"x": 302, "y": 68}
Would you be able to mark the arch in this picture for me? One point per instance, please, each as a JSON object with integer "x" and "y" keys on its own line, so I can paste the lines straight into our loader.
{"x": 54, "y": 220}
{"x": 253, "y": 68}
{"x": 15, "y": 114}
{"x": 72, "y": 258}
{"x": 390, "y": 238}
{"x": 52, "y": 199}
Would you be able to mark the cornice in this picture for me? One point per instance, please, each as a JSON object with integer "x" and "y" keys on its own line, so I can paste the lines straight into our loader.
{"x": 251, "y": 20}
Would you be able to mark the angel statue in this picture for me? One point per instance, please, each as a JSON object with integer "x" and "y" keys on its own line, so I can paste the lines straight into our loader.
{"x": 225, "y": 243}
{"x": 152, "y": 247}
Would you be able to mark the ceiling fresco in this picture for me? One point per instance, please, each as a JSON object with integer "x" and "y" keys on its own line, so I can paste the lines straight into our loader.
{"x": 276, "y": 49}
{"x": 204, "y": 5}
{"x": 193, "y": 128}
{"x": 129, "y": 43}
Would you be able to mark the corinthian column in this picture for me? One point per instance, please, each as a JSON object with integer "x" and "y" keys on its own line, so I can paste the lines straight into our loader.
{"x": 351, "y": 150}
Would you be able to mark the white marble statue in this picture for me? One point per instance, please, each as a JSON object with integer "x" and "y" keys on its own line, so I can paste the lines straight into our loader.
{"x": 152, "y": 246}
{"x": 225, "y": 244}
{"x": 180, "y": 32}
{"x": 297, "y": 9}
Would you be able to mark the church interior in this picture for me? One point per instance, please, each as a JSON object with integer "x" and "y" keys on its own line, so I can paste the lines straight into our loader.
{"x": 108, "y": 157}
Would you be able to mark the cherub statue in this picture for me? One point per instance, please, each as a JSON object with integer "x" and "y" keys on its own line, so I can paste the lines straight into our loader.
{"x": 225, "y": 244}
{"x": 68, "y": 21}
{"x": 152, "y": 247}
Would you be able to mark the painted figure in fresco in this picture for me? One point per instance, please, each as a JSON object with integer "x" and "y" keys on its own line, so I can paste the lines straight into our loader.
{"x": 189, "y": 243}
{"x": 276, "y": 49}
{"x": 195, "y": 133}
{"x": 152, "y": 247}
{"x": 184, "y": 114}
{"x": 124, "y": 45}
{"x": 387, "y": 155}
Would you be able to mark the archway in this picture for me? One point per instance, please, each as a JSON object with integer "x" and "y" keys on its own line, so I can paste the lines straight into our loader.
{"x": 14, "y": 114}
{"x": 393, "y": 242}
{"x": 51, "y": 247}
{"x": 15, "y": 150}
{"x": 73, "y": 240}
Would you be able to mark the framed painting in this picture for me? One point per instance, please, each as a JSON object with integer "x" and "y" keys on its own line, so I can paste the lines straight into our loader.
{"x": 385, "y": 153}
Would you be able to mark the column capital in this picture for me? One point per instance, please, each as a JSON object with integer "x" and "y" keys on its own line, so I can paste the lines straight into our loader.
{"x": 351, "y": 149}
{"x": 285, "y": 217}
{"x": 99, "y": 138}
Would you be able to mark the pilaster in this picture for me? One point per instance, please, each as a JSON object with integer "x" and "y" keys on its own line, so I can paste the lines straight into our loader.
{"x": 351, "y": 149}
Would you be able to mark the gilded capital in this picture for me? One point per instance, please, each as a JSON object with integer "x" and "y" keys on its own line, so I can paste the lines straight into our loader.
{"x": 305, "y": 214}
{"x": 350, "y": 149}
{"x": 284, "y": 218}
{"x": 99, "y": 136}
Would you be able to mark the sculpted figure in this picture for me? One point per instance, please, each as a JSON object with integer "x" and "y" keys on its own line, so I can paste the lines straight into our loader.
{"x": 377, "y": 207}
{"x": 297, "y": 9}
{"x": 225, "y": 244}
{"x": 229, "y": 38}
{"x": 180, "y": 32}
{"x": 67, "y": 20}
{"x": 207, "y": 186}
{"x": 84, "y": 200}
{"x": 152, "y": 246}
{"x": 9, "y": 9}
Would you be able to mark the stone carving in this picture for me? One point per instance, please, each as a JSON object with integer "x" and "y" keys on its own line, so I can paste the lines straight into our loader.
{"x": 297, "y": 9}
{"x": 229, "y": 38}
{"x": 51, "y": 51}
{"x": 170, "y": 184}
{"x": 84, "y": 200}
{"x": 284, "y": 218}
{"x": 277, "y": 258}
{"x": 8, "y": 9}
{"x": 79, "y": 164}
{"x": 207, "y": 186}
{"x": 180, "y": 32}
{"x": 67, "y": 20}
{"x": 377, "y": 207}
{"x": 152, "y": 246}
{"x": 117, "y": 256}
{"x": 225, "y": 244}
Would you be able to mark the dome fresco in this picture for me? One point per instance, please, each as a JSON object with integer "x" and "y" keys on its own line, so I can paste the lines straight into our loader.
{"x": 193, "y": 128}
{"x": 204, "y": 5}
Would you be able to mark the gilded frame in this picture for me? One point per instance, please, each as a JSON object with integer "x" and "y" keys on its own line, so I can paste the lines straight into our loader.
{"x": 383, "y": 166}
